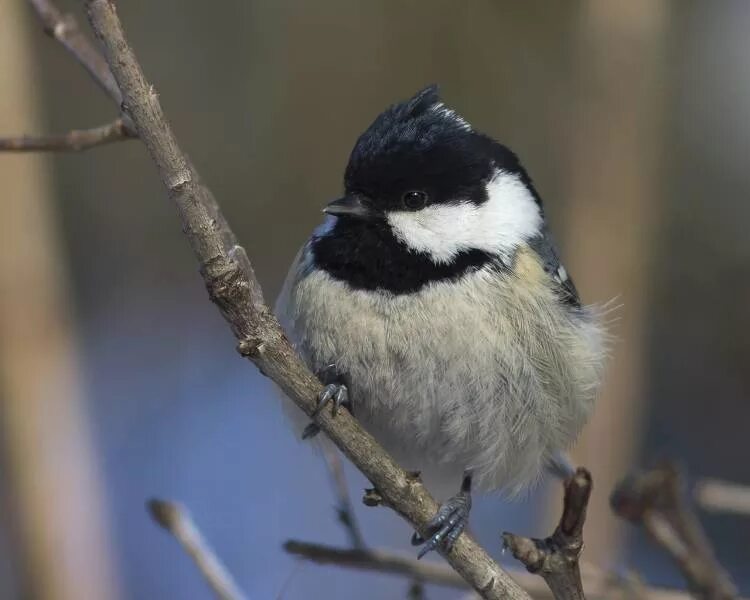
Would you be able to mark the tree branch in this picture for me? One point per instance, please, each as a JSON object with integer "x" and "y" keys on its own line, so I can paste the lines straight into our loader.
{"x": 654, "y": 499}
{"x": 177, "y": 521}
{"x": 556, "y": 558}
{"x": 378, "y": 561}
{"x": 714, "y": 495}
{"x": 72, "y": 141}
{"x": 232, "y": 286}
{"x": 599, "y": 585}
{"x": 348, "y": 518}
{"x": 64, "y": 29}
{"x": 344, "y": 508}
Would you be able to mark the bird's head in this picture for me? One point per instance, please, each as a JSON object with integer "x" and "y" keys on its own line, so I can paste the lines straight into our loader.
{"x": 441, "y": 187}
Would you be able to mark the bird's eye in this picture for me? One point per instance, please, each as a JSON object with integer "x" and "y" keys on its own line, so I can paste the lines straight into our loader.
{"x": 414, "y": 200}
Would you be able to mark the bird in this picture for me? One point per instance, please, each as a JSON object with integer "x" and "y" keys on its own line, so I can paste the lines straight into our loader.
{"x": 433, "y": 304}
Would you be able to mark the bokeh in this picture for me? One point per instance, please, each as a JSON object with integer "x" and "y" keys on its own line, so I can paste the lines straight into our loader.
{"x": 119, "y": 381}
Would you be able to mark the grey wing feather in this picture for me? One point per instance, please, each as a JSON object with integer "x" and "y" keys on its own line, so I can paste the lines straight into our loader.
{"x": 301, "y": 267}
{"x": 544, "y": 246}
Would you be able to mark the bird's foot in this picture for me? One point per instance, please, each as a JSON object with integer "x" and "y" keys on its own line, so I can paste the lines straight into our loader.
{"x": 448, "y": 523}
{"x": 335, "y": 391}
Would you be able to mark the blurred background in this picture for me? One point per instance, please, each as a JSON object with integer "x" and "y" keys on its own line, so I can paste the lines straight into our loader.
{"x": 119, "y": 381}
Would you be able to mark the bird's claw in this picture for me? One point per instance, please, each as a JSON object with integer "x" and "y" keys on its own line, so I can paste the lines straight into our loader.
{"x": 448, "y": 523}
{"x": 335, "y": 392}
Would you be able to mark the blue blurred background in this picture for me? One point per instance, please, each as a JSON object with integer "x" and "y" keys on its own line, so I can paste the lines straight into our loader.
{"x": 119, "y": 381}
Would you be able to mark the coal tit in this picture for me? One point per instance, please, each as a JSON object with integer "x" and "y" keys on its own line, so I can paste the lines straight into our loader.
{"x": 433, "y": 302}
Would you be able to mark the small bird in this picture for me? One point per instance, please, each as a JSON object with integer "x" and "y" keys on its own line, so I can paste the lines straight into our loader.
{"x": 433, "y": 304}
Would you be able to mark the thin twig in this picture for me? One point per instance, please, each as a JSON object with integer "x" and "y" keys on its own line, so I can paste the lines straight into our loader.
{"x": 655, "y": 500}
{"x": 64, "y": 29}
{"x": 235, "y": 290}
{"x": 715, "y": 495}
{"x": 556, "y": 558}
{"x": 344, "y": 507}
{"x": 599, "y": 585}
{"x": 177, "y": 521}
{"x": 72, "y": 141}
{"x": 377, "y": 560}
{"x": 348, "y": 518}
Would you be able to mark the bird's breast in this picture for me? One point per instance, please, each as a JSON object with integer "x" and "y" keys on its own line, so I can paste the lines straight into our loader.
{"x": 488, "y": 371}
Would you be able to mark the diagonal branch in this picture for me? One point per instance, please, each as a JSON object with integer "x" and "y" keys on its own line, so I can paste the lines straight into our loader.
{"x": 654, "y": 499}
{"x": 72, "y": 141}
{"x": 348, "y": 519}
{"x": 344, "y": 508}
{"x": 177, "y": 521}
{"x": 235, "y": 290}
{"x": 63, "y": 28}
{"x": 556, "y": 558}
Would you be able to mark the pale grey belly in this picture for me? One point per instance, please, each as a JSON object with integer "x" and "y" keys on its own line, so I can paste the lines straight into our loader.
{"x": 450, "y": 381}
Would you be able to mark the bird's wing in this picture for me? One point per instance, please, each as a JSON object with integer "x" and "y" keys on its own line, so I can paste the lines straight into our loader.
{"x": 544, "y": 246}
{"x": 301, "y": 267}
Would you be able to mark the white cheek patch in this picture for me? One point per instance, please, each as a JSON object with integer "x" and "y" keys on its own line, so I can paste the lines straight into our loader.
{"x": 509, "y": 217}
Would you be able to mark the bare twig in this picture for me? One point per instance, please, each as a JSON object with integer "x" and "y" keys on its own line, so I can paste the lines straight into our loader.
{"x": 556, "y": 558}
{"x": 348, "y": 518}
{"x": 344, "y": 508}
{"x": 177, "y": 521}
{"x": 714, "y": 495}
{"x": 72, "y": 141}
{"x": 599, "y": 585}
{"x": 235, "y": 290}
{"x": 64, "y": 29}
{"x": 654, "y": 499}
{"x": 377, "y": 560}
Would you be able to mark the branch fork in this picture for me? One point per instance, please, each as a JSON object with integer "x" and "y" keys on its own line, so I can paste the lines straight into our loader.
{"x": 655, "y": 500}
{"x": 556, "y": 557}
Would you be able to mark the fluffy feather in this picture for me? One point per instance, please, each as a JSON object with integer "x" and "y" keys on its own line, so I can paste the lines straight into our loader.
{"x": 494, "y": 374}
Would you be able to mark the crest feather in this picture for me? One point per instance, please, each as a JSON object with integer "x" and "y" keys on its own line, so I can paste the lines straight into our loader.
{"x": 422, "y": 101}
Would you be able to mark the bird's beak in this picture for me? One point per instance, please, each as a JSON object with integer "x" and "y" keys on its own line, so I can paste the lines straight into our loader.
{"x": 349, "y": 206}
